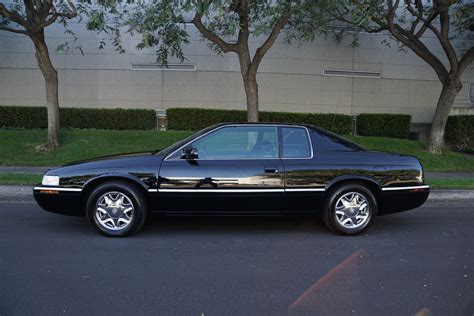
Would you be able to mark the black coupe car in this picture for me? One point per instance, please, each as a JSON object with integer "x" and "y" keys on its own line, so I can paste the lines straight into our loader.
{"x": 235, "y": 169}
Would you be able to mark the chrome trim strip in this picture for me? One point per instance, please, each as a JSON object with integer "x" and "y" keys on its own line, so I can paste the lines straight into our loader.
{"x": 261, "y": 125}
{"x": 305, "y": 190}
{"x": 406, "y": 188}
{"x": 59, "y": 189}
{"x": 239, "y": 190}
{"x": 220, "y": 190}
{"x": 219, "y": 180}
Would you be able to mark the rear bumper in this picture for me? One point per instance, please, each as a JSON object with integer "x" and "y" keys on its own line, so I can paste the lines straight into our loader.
{"x": 396, "y": 200}
{"x": 64, "y": 201}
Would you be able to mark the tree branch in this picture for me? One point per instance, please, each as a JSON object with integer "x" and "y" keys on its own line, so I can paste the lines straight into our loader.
{"x": 72, "y": 14}
{"x": 444, "y": 19}
{"x": 341, "y": 16}
{"x": 13, "y": 16}
{"x": 414, "y": 43}
{"x": 30, "y": 13}
{"x": 9, "y": 29}
{"x": 442, "y": 36}
{"x": 418, "y": 13}
{"x": 466, "y": 60}
{"x": 223, "y": 45}
{"x": 262, "y": 50}
{"x": 51, "y": 20}
{"x": 433, "y": 14}
{"x": 241, "y": 8}
{"x": 420, "y": 49}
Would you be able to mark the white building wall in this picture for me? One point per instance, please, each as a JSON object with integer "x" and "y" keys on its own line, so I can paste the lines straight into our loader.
{"x": 290, "y": 77}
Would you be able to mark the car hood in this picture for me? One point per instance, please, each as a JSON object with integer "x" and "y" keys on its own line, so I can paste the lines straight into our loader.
{"x": 114, "y": 161}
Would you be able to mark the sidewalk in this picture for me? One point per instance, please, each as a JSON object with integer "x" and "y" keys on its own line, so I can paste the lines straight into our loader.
{"x": 9, "y": 169}
{"x": 429, "y": 175}
{"x": 449, "y": 175}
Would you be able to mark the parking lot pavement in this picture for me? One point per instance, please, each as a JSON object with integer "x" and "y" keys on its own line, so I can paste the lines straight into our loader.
{"x": 420, "y": 261}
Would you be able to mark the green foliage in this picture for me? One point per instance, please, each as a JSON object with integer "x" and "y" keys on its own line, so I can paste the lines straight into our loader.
{"x": 384, "y": 125}
{"x": 447, "y": 161}
{"x": 466, "y": 184}
{"x": 20, "y": 178}
{"x": 196, "y": 119}
{"x": 162, "y": 24}
{"x": 115, "y": 119}
{"x": 460, "y": 131}
{"x": 16, "y": 17}
{"x": 18, "y": 147}
{"x": 26, "y": 117}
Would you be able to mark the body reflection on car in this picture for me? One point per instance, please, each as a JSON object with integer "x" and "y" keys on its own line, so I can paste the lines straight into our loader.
{"x": 240, "y": 168}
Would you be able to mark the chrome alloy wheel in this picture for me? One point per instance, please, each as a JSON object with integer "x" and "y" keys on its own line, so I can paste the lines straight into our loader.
{"x": 352, "y": 210}
{"x": 114, "y": 211}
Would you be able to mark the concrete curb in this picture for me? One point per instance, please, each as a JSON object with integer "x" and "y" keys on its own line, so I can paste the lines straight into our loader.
{"x": 24, "y": 193}
{"x": 20, "y": 193}
{"x": 441, "y": 195}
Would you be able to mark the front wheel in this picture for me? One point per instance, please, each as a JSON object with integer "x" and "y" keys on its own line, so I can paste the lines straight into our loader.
{"x": 116, "y": 209}
{"x": 350, "y": 209}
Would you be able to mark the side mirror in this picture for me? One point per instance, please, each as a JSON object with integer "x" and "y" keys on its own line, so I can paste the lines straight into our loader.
{"x": 190, "y": 153}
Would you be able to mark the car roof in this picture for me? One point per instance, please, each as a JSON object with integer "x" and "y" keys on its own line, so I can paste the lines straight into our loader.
{"x": 263, "y": 123}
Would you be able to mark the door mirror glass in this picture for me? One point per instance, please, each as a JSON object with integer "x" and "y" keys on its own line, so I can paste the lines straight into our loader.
{"x": 189, "y": 153}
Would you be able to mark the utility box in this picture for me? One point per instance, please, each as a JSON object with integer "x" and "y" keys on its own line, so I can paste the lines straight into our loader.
{"x": 161, "y": 119}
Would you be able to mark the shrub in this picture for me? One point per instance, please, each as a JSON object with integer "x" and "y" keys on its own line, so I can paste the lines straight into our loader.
{"x": 195, "y": 119}
{"x": 459, "y": 131}
{"x": 115, "y": 119}
{"x": 384, "y": 125}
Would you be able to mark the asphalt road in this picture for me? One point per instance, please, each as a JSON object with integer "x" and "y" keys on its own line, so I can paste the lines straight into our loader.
{"x": 421, "y": 261}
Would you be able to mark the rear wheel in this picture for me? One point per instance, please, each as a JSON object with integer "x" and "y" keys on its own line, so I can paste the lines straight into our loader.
{"x": 116, "y": 209}
{"x": 350, "y": 209}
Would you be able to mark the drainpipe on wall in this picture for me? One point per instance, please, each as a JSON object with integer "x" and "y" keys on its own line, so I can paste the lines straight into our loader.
{"x": 161, "y": 120}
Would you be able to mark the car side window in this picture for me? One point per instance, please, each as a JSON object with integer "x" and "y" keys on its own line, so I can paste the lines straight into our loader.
{"x": 239, "y": 142}
{"x": 295, "y": 142}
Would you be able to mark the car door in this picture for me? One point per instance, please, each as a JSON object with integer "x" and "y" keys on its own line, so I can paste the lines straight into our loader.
{"x": 233, "y": 168}
{"x": 304, "y": 186}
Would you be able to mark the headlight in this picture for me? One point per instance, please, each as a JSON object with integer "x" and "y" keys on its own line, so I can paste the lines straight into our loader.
{"x": 50, "y": 180}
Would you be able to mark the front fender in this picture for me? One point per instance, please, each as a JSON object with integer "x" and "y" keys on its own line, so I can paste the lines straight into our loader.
{"x": 115, "y": 176}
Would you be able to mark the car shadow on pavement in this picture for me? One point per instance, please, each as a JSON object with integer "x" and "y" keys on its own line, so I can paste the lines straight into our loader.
{"x": 159, "y": 224}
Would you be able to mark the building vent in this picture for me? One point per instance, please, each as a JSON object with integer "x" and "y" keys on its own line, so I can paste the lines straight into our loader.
{"x": 352, "y": 73}
{"x": 154, "y": 66}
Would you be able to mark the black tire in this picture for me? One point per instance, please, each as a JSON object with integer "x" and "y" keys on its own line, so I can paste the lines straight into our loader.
{"x": 329, "y": 211}
{"x": 134, "y": 195}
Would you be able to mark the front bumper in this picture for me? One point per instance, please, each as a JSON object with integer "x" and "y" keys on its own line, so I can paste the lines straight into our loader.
{"x": 60, "y": 200}
{"x": 396, "y": 200}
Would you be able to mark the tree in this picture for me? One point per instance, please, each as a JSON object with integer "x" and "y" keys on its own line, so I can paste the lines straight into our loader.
{"x": 406, "y": 23}
{"x": 30, "y": 18}
{"x": 226, "y": 25}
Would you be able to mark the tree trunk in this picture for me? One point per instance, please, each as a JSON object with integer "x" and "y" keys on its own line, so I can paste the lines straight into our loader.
{"x": 449, "y": 92}
{"x": 51, "y": 80}
{"x": 251, "y": 91}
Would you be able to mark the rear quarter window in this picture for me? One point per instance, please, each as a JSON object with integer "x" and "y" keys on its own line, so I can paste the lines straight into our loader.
{"x": 324, "y": 140}
{"x": 295, "y": 142}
